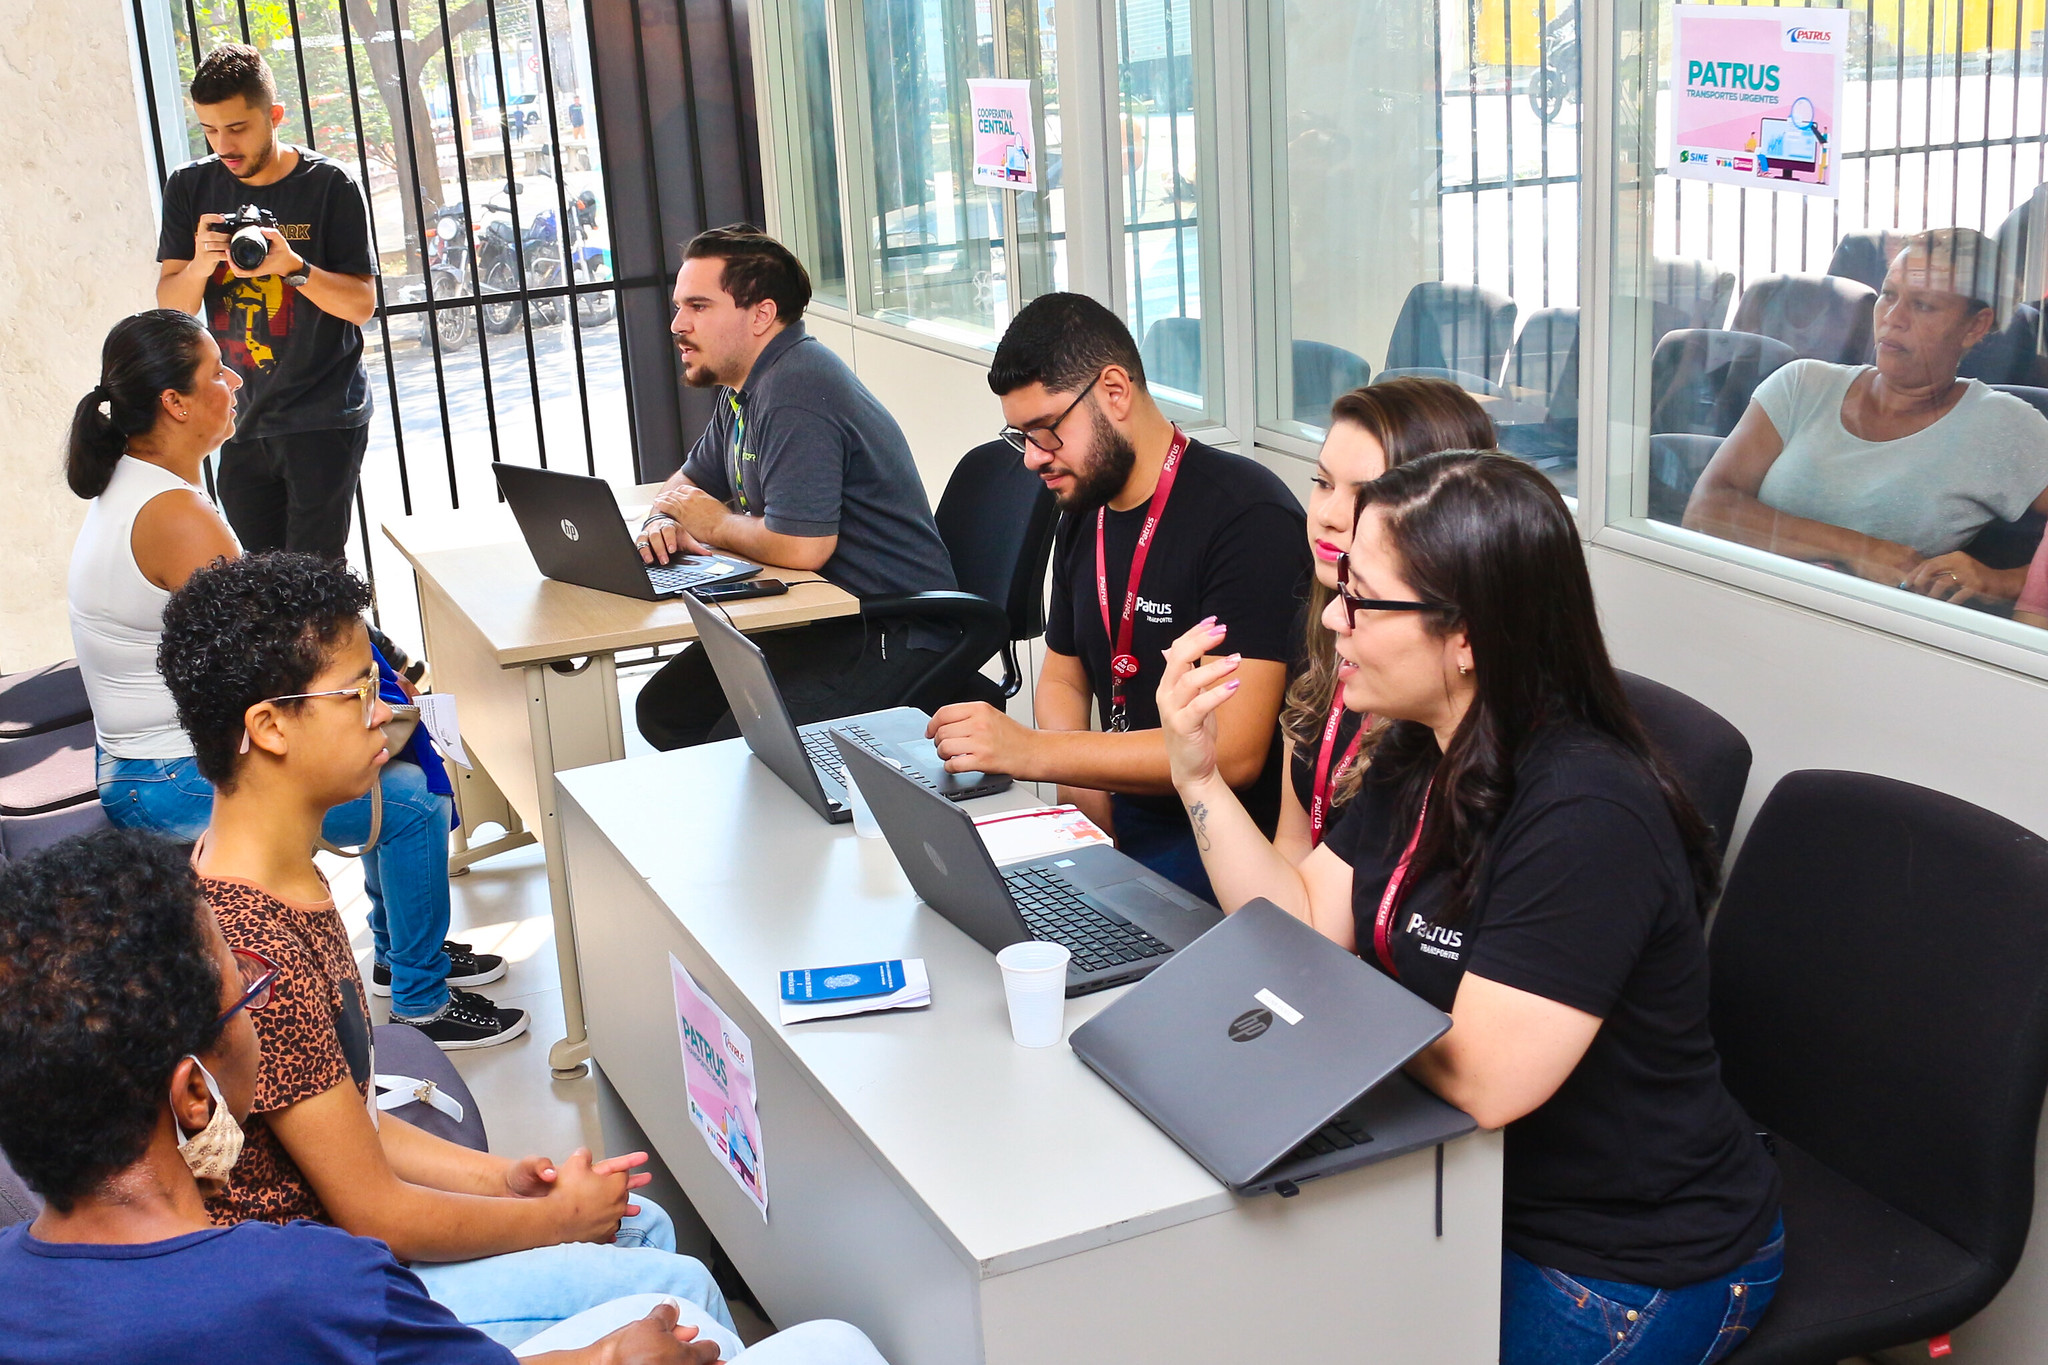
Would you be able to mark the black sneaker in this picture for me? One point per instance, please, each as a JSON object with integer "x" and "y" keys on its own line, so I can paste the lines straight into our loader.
{"x": 469, "y": 1020}
{"x": 465, "y": 968}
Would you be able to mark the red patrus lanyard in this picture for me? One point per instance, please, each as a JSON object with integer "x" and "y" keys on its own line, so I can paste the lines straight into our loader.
{"x": 1123, "y": 665}
{"x": 1319, "y": 798}
{"x": 1390, "y": 900}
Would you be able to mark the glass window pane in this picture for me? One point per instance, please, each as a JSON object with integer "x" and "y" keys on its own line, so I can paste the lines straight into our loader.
{"x": 812, "y": 212}
{"x": 1423, "y": 210}
{"x": 1159, "y": 175}
{"x": 1823, "y": 380}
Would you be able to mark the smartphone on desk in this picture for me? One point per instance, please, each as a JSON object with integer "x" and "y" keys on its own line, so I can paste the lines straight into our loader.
{"x": 739, "y": 592}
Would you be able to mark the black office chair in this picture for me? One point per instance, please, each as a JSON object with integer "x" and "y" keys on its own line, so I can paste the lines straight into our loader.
{"x": 997, "y": 519}
{"x": 1457, "y": 327}
{"x": 40, "y": 699}
{"x": 1709, "y": 757}
{"x": 48, "y": 771}
{"x": 1880, "y": 1000}
{"x": 1172, "y": 352}
{"x": 1676, "y": 463}
{"x": 1865, "y": 256}
{"x": 1545, "y": 357}
{"x": 1821, "y": 317}
{"x": 1322, "y": 374}
{"x": 1689, "y": 291}
{"x": 1702, "y": 380}
{"x": 2010, "y": 355}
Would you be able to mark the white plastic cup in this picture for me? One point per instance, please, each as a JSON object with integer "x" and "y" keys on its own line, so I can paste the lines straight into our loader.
{"x": 864, "y": 822}
{"x": 1035, "y": 984}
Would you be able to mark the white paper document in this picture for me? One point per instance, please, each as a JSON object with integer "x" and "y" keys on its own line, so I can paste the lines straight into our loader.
{"x": 915, "y": 994}
{"x": 1015, "y": 835}
{"x": 437, "y": 713}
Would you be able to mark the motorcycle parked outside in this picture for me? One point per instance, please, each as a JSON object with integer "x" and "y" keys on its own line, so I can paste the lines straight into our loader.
{"x": 1556, "y": 83}
{"x": 541, "y": 246}
{"x": 448, "y": 250}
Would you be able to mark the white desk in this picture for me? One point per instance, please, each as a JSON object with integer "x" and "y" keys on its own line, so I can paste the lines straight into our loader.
{"x": 959, "y": 1198}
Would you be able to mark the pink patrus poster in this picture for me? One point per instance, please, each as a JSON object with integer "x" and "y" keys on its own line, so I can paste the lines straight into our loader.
{"x": 1005, "y": 152}
{"x": 718, "y": 1082}
{"x": 1754, "y": 96}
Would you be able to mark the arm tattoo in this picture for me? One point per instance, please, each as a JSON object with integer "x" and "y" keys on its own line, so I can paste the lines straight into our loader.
{"x": 1199, "y": 812}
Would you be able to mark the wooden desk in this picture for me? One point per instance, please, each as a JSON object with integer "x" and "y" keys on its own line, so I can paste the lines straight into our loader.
{"x": 963, "y": 1200}
{"x": 531, "y": 662}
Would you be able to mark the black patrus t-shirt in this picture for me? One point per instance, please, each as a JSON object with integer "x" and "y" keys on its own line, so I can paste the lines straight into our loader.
{"x": 1641, "y": 1167}
{"x": 1233, "y": 544}
{"x": 301, "y": 368}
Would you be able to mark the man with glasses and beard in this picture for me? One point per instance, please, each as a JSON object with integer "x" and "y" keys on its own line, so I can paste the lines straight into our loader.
{"x": 1159, "y": 534}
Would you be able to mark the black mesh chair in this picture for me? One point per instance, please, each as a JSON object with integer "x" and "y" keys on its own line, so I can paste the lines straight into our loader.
{"x": 1457, "y": 327}
{"x": 1689, "y": 292}
{"x": 40, "y": 699}
{"x": 1322, "y": 374}
{"x": 1172, "y": 352}
{"x": 2010, "y": 355}
{"x": 1865, "y": 256}
{"x": 1545, "y": 358}
{"x": 1821, "y": 317}
{"x": 1701, "y": 381}
{"x": 48, "y": 771}
{"x": 1676, "y": 463}
{"x": 997, "y": 519}
{"x": 1709, "y": 757}
{"x": 1880, "y": 1000}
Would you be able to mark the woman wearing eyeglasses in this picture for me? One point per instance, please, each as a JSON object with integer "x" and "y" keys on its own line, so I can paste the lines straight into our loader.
{"x": 139, "y": 441}
{"x": 1371, "y": 430}
{"x": 1517, "y": 856}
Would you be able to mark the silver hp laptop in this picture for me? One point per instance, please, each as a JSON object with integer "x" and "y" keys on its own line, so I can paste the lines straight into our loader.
{"x": 572, "y": 526}
{"x": 803, "y": 756}
{"x": 1118, "y": 918}
{"x": 1271, "y": 1054}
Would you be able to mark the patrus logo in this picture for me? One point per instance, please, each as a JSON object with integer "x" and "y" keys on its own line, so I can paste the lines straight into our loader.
{"x": 1249, "y": 1025}
{"x": 569, "y": 529}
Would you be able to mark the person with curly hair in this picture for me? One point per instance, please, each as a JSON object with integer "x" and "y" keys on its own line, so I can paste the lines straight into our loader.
{"x": 165, "y": 400}
{"x": 130, "y": 1060}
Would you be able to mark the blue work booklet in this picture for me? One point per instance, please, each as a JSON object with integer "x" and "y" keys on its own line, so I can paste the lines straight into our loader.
{"x": 810, "y": 985}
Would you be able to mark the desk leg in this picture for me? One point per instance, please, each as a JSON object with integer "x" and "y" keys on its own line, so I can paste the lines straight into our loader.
{"x": 573, "y": 714}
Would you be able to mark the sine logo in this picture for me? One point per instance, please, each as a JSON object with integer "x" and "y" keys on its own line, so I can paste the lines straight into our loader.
{"x": 569, "y": 529}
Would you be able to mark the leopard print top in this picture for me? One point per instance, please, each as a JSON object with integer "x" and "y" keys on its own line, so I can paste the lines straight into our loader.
{"x": 315, "y": 1034}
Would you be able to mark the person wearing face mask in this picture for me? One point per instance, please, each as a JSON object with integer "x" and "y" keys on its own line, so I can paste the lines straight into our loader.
{"x": 1371, "y": 430}
{"x": 1518, "y": 856}
{"x": 129, "y": 1060}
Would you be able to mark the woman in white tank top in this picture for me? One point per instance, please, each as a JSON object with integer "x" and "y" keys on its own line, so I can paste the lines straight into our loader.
{"x": 164, "y": 402}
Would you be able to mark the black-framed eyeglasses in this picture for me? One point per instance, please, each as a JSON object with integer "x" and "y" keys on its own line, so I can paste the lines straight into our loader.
{"x": 366, "y": 690}
{"x": 1354, "y": 604}
{"x": 259, "y": 974}
{"x": 1046, "y": 437}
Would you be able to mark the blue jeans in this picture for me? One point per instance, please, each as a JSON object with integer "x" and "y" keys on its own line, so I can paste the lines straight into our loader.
{"x": 1163, "y": 843}
{"x": 410, "y": 860}
{"x": 1550, "y": 1318}
{"x": 522, "y": 1293}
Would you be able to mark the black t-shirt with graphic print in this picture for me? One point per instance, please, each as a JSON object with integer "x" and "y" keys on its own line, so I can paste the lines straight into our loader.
{"x": 1641, "y": 1168}
{"x": 301, "y": 367}
{"x": 1233, "y": 544}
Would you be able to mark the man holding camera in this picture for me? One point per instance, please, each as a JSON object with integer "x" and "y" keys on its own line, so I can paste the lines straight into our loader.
{"x": 271, "y": 245}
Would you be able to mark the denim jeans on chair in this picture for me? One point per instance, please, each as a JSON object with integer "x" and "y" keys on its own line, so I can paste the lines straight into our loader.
{"x": 1550, "y": 1318}
{"x": 406, "y": 874}
{"x": 522, "y": 1293}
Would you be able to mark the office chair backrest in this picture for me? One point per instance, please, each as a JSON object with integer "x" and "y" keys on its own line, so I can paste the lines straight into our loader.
{"x": 18, "y": 1203}
{"x": 1821, "y": 317}
{"x": 1708, "y": 756}
{"x": 1172, "y": 352}
{"x": 997, "y": 519}
{"x": 1322, "y": 374}
{"x": 1701, "y": 381}
{"x": 1690, "y": 291}
{"x": 1453, "y": 327}
{"x": 2018, "y": 277}
{"x": 1677, "y": 459}
{"x": 2010, "y": 355}
{"x": 1545, "y": 357}
{"x": 1880, "y": 996}
{"x": 1865, "y": 256}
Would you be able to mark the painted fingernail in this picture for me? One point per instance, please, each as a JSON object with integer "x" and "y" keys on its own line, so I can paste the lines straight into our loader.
{"x": 1236, "y": 658}
{"x": 1218, "y": 630}
{"x": 1232, "y": 685}
{"x": 1206, "y": 621}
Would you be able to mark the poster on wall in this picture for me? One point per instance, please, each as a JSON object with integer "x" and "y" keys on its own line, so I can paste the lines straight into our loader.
{"x": 1005, "y": 154}
{"x": 1755, "y": 94}
{"x": 718, "y": 1084}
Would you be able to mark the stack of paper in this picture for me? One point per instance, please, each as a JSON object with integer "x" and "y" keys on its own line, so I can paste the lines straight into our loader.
{"x": 1015, "y": 835}
{"x": 823, "y": 992}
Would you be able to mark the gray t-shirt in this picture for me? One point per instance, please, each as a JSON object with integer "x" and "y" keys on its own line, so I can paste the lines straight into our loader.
{"x": 817, "y": 455}
{"x": 1985, "y": 460}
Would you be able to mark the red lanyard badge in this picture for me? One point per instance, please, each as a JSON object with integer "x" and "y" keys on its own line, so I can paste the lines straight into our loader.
{"x": 1319, "y": 797}
{"x": 1123, "y": 665}
{"x": 1390, "y": 900}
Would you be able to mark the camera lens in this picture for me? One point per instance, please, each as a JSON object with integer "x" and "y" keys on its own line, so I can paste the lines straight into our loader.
{"x": 248, "y": 248}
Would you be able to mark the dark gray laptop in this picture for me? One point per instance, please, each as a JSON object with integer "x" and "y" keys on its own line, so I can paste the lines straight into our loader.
{"x": 1118, "y": 918}
{"x": 1272, "y": 1055}
{"x": 573, "y": 527}
{"x": 803, "y": 756}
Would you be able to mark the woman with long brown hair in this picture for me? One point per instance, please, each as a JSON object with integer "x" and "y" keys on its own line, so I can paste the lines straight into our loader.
{"x": 1372, "y": 430}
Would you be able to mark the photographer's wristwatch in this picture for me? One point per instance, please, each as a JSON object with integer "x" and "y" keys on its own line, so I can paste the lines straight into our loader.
{"x": 297, "y": 279}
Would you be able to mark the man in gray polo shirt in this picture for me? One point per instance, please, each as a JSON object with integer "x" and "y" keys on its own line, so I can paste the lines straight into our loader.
{"x": 800, "y": 467}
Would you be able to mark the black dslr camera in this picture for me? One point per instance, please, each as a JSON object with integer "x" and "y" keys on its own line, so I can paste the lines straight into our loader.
{"x": 247, "y": 246}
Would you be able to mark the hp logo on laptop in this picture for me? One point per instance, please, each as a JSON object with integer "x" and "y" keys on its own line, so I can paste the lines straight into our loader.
{"x": 937, "y": 861}
{"x": 569, "y": 529}
{"x": 1250, "y": 1025}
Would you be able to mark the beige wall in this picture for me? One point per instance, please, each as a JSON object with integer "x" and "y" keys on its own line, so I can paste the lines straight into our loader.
{"x": 79, "y": 224}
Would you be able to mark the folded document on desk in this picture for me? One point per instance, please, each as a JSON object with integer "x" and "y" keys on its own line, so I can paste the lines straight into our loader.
{"x": 915, "y": 993}
{"x": 1013, "y": 836}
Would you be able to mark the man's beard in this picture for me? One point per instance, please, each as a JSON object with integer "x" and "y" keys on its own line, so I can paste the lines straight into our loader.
{"x": 257, "y": 162}
{"x": 698, "y": 375}
{"x": 1109, "y": 467}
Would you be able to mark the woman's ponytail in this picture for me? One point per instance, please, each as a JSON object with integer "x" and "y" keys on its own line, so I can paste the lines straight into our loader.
{"x": 145, "y": 354}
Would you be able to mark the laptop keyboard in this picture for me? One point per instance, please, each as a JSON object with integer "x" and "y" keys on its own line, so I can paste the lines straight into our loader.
{"x": 1056, "y": 913}
{"x": 1335, "y": 1136}
{"x": 825, "y": 757}
{"x": 682, "y": 574}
